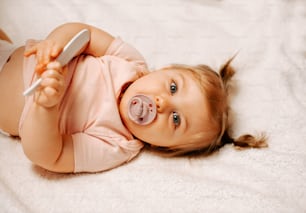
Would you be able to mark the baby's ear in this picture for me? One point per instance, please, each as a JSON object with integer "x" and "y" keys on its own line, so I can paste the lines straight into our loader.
{"x": 226, "y": 71}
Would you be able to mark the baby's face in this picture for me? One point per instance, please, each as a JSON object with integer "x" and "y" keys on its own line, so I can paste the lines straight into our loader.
{"x": 177, "y": 106}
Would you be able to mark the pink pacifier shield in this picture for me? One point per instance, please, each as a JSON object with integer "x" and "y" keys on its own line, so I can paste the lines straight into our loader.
{"x": 142, "y": 109}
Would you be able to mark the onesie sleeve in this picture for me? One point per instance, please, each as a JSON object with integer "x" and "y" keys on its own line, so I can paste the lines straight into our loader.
{"x": 127, "y": 52}
{"x": 92, "y": 154}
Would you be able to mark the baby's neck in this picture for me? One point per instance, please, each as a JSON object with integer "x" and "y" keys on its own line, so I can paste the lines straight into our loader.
{"x": 123, "y": 89}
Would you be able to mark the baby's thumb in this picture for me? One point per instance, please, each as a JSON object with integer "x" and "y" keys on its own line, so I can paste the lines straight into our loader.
{"x": 55, "y": 52}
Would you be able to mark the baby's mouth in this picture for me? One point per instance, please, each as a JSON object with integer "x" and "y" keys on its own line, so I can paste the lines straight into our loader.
{"x": 142, "y": 109}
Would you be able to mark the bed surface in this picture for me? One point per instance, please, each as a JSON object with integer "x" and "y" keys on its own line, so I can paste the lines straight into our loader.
{"x": 270, "y": 96}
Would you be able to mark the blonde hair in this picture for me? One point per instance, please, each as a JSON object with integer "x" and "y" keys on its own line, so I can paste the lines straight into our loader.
{"x": 215, "y": 87}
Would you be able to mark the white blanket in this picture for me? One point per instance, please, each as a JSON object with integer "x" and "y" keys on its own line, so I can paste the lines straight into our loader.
{"x": 270, "y": 96}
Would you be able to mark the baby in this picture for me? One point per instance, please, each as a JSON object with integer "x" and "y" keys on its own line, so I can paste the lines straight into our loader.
{"x": 97, "y": 112}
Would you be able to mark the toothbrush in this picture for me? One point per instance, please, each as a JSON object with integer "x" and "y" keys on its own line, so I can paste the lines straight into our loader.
{"x": 69, "y": 51}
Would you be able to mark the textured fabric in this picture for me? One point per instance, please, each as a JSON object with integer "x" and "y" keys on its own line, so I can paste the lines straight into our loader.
{"x": 89, "y": 110}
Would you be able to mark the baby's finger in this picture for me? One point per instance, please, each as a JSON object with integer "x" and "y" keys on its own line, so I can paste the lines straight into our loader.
{"x": 39, "y": 56}
{"x": 50, "y": 91}
{"x": 43, "y": 58}
{"x": 40, "y": 68}
{"x": 55, "y": 65}
{"x": 50, "y": 77}
{"x": 30, "y": 51}
{"x": 52, "y": 83}
{"x": 55, "y": 51}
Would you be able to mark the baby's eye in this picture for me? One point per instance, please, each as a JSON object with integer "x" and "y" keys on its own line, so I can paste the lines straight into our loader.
{"x": 173, "y": 87}
{"x": 176, "y": 119}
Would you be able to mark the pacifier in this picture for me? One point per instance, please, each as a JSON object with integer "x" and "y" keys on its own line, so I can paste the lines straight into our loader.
{"x": 142, "y": 109}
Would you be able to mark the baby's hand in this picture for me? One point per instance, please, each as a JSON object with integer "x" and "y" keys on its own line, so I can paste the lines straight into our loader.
{"x": 45, "y": 51}
{"x": 51, "y": 87}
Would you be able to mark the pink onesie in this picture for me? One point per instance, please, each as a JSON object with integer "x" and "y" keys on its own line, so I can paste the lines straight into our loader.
{"x": 89, "y": 109}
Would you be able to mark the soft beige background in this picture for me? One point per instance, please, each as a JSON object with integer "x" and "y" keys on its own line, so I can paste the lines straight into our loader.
{"x": 270, "y": 36}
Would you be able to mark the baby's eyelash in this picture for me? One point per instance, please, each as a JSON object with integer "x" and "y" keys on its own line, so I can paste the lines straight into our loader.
{"x": 176, "y": 119}
{"x": 173, "y": 87}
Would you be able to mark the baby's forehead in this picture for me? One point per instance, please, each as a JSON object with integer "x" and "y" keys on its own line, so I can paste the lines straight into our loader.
{"x": 174, "y": 69}
{"x": 168, "y": 71}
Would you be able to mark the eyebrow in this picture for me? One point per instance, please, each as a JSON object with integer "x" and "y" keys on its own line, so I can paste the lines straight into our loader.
{"x": 183, "y": 86}
{"x": 182, "y": 80}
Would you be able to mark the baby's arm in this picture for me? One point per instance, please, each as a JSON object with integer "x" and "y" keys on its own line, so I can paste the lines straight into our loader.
{"x": 41, "y": 139}
{"x": 58, "y": 38}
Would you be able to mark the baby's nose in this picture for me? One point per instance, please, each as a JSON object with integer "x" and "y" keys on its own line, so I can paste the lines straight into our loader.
{"x": 161, "y": 103}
